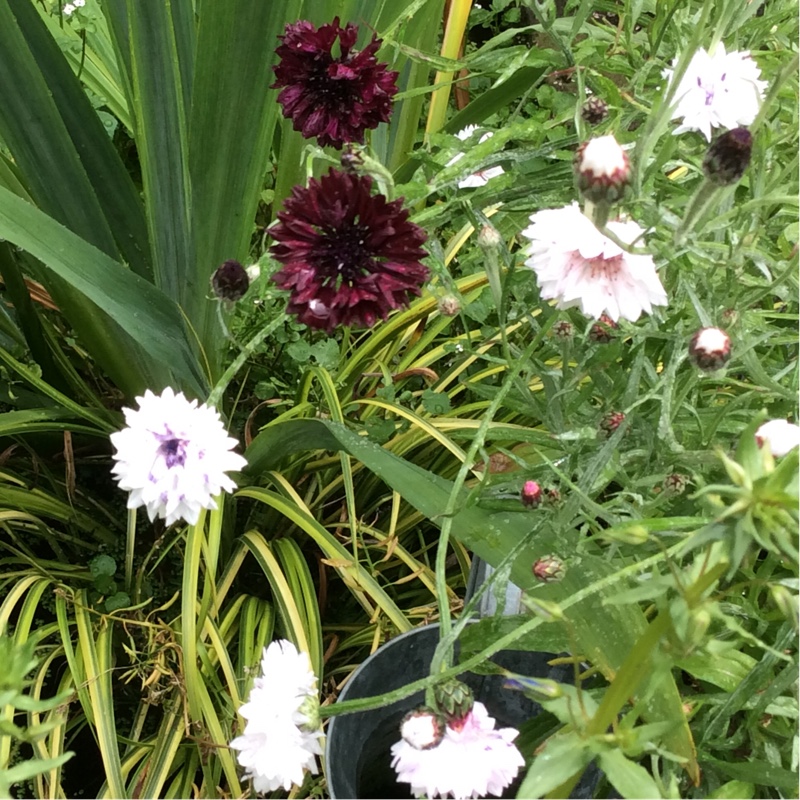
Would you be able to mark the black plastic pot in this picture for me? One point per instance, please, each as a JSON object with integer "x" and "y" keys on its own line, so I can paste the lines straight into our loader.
{"x": 357, "y": 751}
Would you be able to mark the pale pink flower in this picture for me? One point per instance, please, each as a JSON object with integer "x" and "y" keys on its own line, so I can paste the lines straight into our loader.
{"x": 472, "y": 760}
{"x": 576, "y": 265}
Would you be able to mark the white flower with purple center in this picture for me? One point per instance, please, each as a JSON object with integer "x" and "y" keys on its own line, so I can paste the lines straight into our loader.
{"x": 722, "y": 90}
{"x": 472, "y": 760}
{"x": 482, "y": 177}
{"x": 281, "y": 739}
{"x": 173, "y": 455}
{"x": 576, "y": 265}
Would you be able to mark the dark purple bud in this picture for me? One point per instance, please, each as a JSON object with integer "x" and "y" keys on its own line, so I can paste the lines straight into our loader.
{"x": 230, "y": 282}
{"x": 728, "y": 157}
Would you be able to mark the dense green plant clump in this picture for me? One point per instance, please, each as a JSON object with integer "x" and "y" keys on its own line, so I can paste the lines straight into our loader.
{"x": 322, "y": 322}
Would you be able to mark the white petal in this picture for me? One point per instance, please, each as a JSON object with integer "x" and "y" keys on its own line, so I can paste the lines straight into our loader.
{"x": 173, "y": 456}
{"x": 576, "y": 265}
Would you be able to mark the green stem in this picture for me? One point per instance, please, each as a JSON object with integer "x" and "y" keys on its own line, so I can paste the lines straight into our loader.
{"x": 189, "y": 629}
{"x": 503, "y": 643}
{"x": 130, "y": 546}
{"x": 248, "y": 350}
{"x": 637, "y": 666}
{"x": 698, "y": 205}
{"x": 443, "y": 654}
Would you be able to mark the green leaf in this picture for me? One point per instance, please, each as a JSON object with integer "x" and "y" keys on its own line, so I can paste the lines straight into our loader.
{"x": 629, "y": 779}
{"x": 149, "y": 318}
{"x": 159, "y": 104}
{"x": 761, "y": 773}
{"x": 562, "y": 757}
{"x": 734, "y": 790}
{"x": 726, "y": 669}
{"x": 38, "y": 137}
{"x": 236, "y": 42}
{"x": 102, "y": 565}
{"x": 437, "y": 403}
{"x": 30, "y": 769}
{"x": 116, "y": 196}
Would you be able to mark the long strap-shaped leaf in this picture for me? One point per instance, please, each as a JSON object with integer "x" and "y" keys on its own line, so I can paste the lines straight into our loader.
{"x": 351, "y": 572}
{"x": 160, "y": 58}
{"x": 232, "y": 121}
{"x": 139, "y": 310}
{"x": 97, "y": 663}
{"x": 490, "y": 535}
{"x": 118, "y": 206}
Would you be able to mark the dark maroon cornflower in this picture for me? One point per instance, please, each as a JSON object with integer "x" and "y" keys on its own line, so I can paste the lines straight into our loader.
{"x": 335, "y": 98}
{"x": 349, "y": 256}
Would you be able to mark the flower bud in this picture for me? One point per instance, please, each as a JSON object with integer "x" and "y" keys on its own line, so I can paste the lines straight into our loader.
{"x": 549, "y": 569}
{"x": 676, "y": 483}
{"x": 602, "y": 332}
{"x": 352, "y": 158}
{"x": 786, "y": 601}
{"x": 563, "y": 329}
{"x": 594, "y": 110}
{"x": 627, "y": 533}
{"x": 454, "y": 700}
{"x": 710, "y": 348}
{"x": 531, "y": 494}
{"x": 779, "y": 435}
{"x": 489, "y": 239}
{"x": 728, "y": 157}
{"x": 230, "y": 282}
{"x": 538, "y": 689}
{"x": 449, "y": 305}
{"x": 422, "y": 728}
{"x": 603, "y": 169}
{"x": 552, "y": 497}
{"x": 612, "y": 421}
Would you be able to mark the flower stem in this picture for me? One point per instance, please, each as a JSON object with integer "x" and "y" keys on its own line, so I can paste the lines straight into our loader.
{"x": 698, "y": 205}
{"x": 503, "y": 643}
{"x": 443, "y": 656}
{"x": 597, "y": 212}
{"x": 248, "y": 350}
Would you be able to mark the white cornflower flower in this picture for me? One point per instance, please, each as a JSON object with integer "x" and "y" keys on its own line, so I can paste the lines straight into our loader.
{"x": 482, "y": 177}
{"x": 472, "y": 760}
{"x": 779, "y": 435}
{"x": 578, "y": 266}
{"x": 68, "y": 9}
{"x": 720, "y": 90}
{"x": 281, "y": 737}
{"x": 173, "y": 456}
